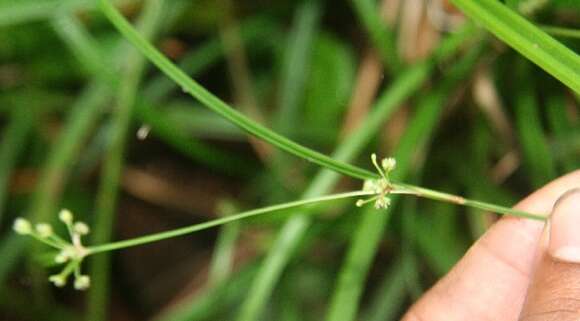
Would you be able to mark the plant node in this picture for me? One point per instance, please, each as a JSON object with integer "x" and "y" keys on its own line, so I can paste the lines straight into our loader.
{"x": 380, "y": 187}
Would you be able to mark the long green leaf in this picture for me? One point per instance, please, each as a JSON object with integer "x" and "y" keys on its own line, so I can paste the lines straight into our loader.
{"x": 214, "y": 103}
{"x": 526, "y": 38}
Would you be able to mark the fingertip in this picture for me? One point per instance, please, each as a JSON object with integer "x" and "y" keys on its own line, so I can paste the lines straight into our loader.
{"x": 564, "y": 243}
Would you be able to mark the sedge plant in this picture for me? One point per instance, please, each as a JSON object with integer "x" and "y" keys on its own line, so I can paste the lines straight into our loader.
{"x": 72, "y": 253}
{"x": 378, "y": 186}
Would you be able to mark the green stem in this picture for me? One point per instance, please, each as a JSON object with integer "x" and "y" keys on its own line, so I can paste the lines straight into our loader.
{"x": 46, "y": 241}
{"x": 458, "y": 200}
{"x": 399, "y": 189}
{"x": 202, "y": 226}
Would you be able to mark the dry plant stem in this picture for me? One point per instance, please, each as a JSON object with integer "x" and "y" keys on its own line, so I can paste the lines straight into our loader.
{"x": 365, "y": 90}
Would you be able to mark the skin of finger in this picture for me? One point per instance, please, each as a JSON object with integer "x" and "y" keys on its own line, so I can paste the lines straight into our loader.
{"x": 490, "y": 281}
{"x": 554, "y": 292}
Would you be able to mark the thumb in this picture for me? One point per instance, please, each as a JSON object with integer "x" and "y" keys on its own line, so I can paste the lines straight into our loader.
{"x": 554, "y": 292}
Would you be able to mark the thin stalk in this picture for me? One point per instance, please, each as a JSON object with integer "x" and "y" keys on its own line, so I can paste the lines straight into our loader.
{"x": 458, "y": 200}
{"x": 399, "y": 189}
{"x": 202, "y": 226}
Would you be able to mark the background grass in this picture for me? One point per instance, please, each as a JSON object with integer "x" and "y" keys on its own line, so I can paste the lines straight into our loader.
{"x": 461, "y": 110}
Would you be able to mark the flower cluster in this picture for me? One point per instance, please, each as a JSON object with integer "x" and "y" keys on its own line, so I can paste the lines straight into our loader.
{"x": 71, "y": 253}
{"x": 380, "y": 187}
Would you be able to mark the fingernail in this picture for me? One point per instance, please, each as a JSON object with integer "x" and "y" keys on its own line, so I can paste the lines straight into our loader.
{"x": 565, "y": 228}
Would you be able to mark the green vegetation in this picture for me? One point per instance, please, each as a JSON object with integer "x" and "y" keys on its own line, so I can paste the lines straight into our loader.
{"x": 146, "y": 117}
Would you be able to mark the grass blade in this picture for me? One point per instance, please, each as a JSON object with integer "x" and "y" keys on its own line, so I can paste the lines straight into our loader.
{"x": 526, "y": 38}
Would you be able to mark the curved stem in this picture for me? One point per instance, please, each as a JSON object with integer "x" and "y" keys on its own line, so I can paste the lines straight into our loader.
{"x": 193, "y": 88}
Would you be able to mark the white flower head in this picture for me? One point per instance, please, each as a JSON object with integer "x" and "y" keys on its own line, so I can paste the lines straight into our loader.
{"x": 66, "y": 216}
{"x": 82, "y": 282}
{"x": 389, "y": 164}
{"x": 382, "y": 203}
{"x": 58, "y": 280}
{"x": 62, "y": 257}
{"x": 44, "y": 230}
{"x": 380, "y": 187}
{"x": 22, "y": 226}
{"x": 81, "y": 228}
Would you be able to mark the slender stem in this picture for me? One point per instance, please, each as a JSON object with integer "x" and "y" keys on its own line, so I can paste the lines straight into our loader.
{"x": 46, "y": 241}
{"x": 202, "y": 226}
{"x": 455, "y": 199}
{"x": 58, "y": 240}
{"x": 399, "y": 189}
